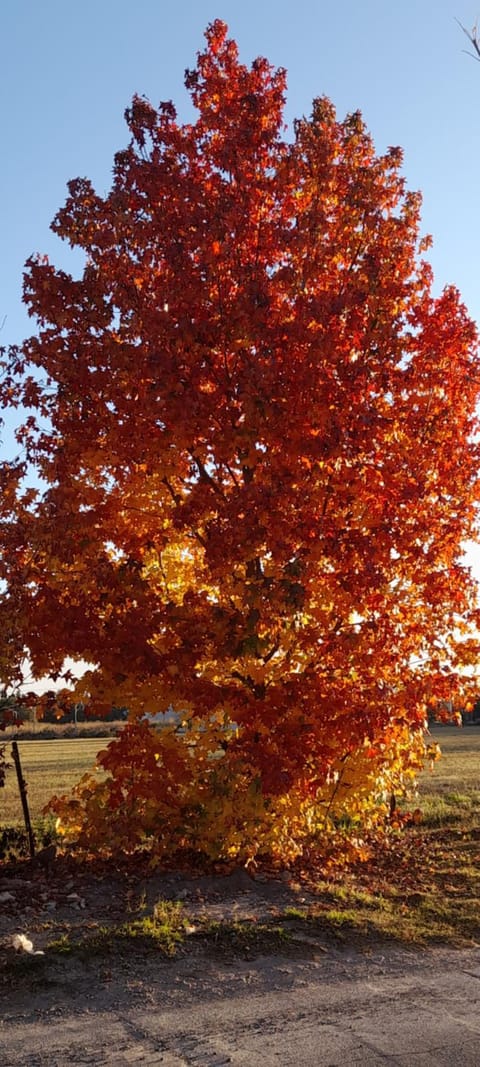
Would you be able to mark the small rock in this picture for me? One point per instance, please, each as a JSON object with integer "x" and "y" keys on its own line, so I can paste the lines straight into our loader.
{"x": 6, "y": 898}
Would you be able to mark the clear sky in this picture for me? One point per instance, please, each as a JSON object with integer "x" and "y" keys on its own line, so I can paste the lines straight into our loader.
{"x": 69, "y": 70}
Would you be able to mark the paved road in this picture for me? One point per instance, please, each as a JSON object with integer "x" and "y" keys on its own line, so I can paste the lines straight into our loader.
{"x": 337, "y": 1009}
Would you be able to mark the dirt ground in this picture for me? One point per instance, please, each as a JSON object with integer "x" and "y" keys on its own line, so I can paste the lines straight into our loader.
{"x": 70, "y": 900}
{"x": 67, "y": 899}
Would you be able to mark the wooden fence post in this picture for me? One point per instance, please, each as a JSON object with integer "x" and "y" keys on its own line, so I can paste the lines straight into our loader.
{"x": 23, "y": 796}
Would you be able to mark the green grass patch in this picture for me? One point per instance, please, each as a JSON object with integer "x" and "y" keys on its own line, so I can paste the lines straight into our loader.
{"x": 163, "y": 931}
{"x": 427, "y": 910}
{"x": 448, "y": 809}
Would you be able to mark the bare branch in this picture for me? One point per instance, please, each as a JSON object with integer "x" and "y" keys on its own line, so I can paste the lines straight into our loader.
{"x": 473, "y": 38}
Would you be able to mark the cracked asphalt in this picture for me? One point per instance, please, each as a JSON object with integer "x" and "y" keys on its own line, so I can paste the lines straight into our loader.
{"x": 337, "y": 1007}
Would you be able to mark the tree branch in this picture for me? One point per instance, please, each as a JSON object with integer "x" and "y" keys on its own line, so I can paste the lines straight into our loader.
{"x": 473, "y": 38}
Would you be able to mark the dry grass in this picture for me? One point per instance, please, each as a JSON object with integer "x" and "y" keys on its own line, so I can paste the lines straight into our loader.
{"x": 459, "y": 769}
{"x": 53, "y": 766}
{"x": 48, "y": 767}
{"x": 56, "y": 731}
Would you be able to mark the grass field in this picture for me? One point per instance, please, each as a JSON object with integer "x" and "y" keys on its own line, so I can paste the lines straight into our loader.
{"x": 48, "y": 767}
{"x": 460, "y": 766}
{"x": 54, "y": 766}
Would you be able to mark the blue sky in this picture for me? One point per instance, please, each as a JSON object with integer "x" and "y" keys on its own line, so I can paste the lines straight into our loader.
{"x": 68, "y": 72}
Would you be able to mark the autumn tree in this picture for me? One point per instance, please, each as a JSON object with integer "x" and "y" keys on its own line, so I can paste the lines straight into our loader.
{"x": 254, "y": 427}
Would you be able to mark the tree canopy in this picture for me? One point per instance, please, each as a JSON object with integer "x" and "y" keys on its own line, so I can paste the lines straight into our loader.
{"x": 255, "y": 429}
